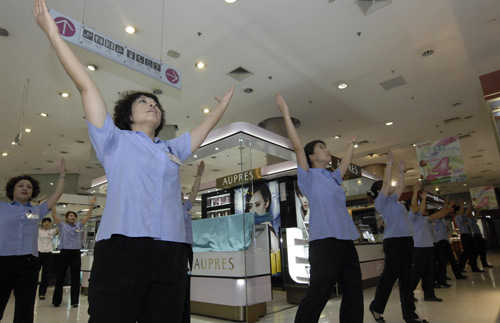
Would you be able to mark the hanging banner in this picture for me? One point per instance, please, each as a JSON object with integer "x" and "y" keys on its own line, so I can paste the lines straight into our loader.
{"x": 90, "y": 39}
{"x": 441, "y": 161}
{"x": 484, "y": 198}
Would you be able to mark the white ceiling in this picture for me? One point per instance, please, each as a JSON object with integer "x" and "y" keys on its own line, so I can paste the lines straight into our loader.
{"x": 306, "y": 46}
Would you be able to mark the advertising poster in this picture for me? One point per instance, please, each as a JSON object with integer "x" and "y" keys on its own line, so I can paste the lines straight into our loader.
{"x": 484, "y": 198}
{"x": 441, "y": 161}
{"x": 301, "y": 208}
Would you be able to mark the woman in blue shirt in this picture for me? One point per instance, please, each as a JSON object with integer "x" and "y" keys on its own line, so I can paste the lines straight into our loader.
{"x": 398, "y": 245}
{"x": 139, "y": 269}
{"x": 332, "y": 254}
{"x": 19, "y": 242}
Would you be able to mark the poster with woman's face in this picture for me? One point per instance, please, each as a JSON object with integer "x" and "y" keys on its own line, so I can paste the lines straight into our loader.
{"x": 302, "y": 209}
{"x": 263, "y": 200}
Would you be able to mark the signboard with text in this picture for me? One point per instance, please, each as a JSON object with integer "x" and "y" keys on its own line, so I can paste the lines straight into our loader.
{"x": 238, "y": 178}
{"x": 90, "y": 39}
{"x": 484, "y": 198}
{"x": 441, "y": 161}
{"x": 354, "y": 171}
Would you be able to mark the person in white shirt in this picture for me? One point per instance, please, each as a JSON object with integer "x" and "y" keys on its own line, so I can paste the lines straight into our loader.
{"x": 45, "y": 236}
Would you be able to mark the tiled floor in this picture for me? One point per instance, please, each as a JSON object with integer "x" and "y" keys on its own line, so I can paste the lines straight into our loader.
{"x": 476, "y": 300}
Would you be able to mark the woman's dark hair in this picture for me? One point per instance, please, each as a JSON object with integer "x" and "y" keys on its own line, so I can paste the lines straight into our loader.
{"x": 375, "y": 189}
{"x": 14, "y": 180}
{"x": 123, "y": 110}
{"x": 71, "y": 212}
{"x": 297, "y": 189}
{"x": 264, "y": 190}
{"x": 46, "y": 220}
{"x": 309, "y": 149}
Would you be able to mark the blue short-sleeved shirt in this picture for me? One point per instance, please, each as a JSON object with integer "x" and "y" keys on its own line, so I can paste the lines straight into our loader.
{"x": 329, "y": 217}
{"x": 440, "y": 230}
{"x": 423, "y": 236}
{"x": 19, "y": 228}
{"x": 395, "y": 216}
{"x": 473, "y": 225}
{"x": 187, "y": 206}
{"x": 461, "y": 221}
{"x": 71, "y": 236}
{"x": 143, "y": 195}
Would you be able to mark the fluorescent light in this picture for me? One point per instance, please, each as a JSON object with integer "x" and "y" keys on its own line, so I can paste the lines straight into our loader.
{"x": 130, "y": 29}
{"x": 230, "y": 1}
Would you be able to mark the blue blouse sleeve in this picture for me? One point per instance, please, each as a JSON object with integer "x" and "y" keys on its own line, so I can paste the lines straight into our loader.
{"x": 103, "y": 138}
{"x": 304, "y": 180}
{"x": 180, "y": 146}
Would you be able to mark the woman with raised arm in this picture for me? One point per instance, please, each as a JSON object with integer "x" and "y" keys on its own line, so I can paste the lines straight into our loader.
{"x": 143, "y": 209}
{"x": 332, "y": 254}
{"x": 398, "y": 245}
{"x": 423, "y": 257}
{"x": 19, "y": 221}
{"x": 71, "y": 242}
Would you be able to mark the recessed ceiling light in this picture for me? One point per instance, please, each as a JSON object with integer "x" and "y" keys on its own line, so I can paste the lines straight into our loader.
{"x": 336, "y": 137}
{"x": 465, "y": 184}
{"x": 199, "y": 65}
{"x": 64, "y": 94}
{"x": 230, "y": 1}
{"x": 27, "y": 130}
{"x": 342, "y": 86}
{"x": 51, "y": 183}
{"x": 43, "y": 114}
{"x": 195, "y": 156}
{"x": 130, "y": 29}
{"x": 356, "y": 145}
{"x": 91, "y": 67}
{"x": 437, "y": 189}
{"x": 5, "y": 154}
{"x": 206, "y": 110}
{"x": 414, "y": 145}
{"x": 216, "y": 148}
{"x": 394, "y": 183}
{"x": 390, "y": 123}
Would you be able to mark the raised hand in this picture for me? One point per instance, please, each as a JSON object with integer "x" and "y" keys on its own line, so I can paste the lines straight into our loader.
{"x": 201, "y": 168}
{"x": 43, "y": 18}
{"x": 417, "y": 186}
{"x": 227, "y": 97}
{"x": 280, "y": 102}
{"x": 93, "y": 200}
{"x": 352, "y": 140}
{"x": 401, "y": 166}
{"x": 62, "y": 167}
{"x": 390, "y": 156}
{"x": 424, "y": 195}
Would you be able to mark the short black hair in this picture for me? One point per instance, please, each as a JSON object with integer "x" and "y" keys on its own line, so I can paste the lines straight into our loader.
{"x": 374, "y": 190}
{"x": 309, "y": 149}
{"x": 46, "y": 220}
{"x": 69, "y": 212}
{"x": 123, "y": 110}
{"x": 14, "y": 180}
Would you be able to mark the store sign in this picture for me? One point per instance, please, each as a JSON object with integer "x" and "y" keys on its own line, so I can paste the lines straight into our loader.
{"x": 238, "y": 178}
{"x": 484, "y": 198}
{"x": 435, "y": 198}
{"x": 441, "y": 161}
{"x": 353, "y": 171}
{"x": 90, "y": 39}
{"x": 224, "y": 264}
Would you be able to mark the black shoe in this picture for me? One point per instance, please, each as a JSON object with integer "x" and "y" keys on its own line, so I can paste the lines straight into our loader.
{"x": 461, "y": 277}
{"x": 433, "y": 299}
{"x": 487, "y": 266}
{"x": 379, "y": 320}
{"x": 446, "y": 285}
{"x": 464, "y": 271}
{"x": 74, "y": 305}
{"x": 56, "y": 305}
{"x": 42, "y": 297}
{"x": 477, "y": 270}
{"x": 437, "y": 285}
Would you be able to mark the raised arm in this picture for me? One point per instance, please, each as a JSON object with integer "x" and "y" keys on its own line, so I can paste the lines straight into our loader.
{"x": 461, "y": 209}
{"x": 197, "y": 181}
{"x": 93, "y": 103}
{"x": 55, "y": 217}
{"x": 445, "y": 210}
{"x": 346, "y": 161}
{"x": 414, "y": 207}
{"x": 292, "y": 132}
{"x": 52, "y": 200}
{"x": 469, "y": 212}
{"x": 89, "y": 212}
{"x": 423, "y": 203}
{"x": 200, "y": 133}
{"x": 386, "y": 185}
{"x": 401, "y": 179}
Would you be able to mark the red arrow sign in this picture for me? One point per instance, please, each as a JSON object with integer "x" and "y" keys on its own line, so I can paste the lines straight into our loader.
{"x": 172, "y": 76}
{"x": 66, "y": 27}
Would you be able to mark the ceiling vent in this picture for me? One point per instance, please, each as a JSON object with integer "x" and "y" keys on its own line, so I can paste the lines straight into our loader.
{"x": 362, "y": 142}
{"x": 446, "y": 121}
{"x": 486, "y": 171}
{"x": 240, "y": 73}
{"x": 392, "y": 83}
{"x": 369, "y": 6}
{"x": 476, "y": 156}
{"x": 464, "y": 136}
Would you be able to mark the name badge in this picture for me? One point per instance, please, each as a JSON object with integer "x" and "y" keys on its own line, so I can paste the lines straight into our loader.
{"x": 174, "y": 158}
{"x": 32, "y": 216}
{"x": 76, "y": 230}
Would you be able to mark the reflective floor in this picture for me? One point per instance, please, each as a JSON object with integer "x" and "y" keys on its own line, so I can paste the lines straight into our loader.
{"x": 476, "y": 299}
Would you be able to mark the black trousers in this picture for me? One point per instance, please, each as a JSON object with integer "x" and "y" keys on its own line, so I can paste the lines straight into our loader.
{"x": 468, "y": 253}
{"x": 186, "y": 313}
{"x": 19, "y": 273}
{"x": 440, "y": 260}
{"x": 137, "y": 280}
{"x": 423, "y": 259}
{"x": 398, "y": 266}
{"x": 457, "y": 271}
{"x": 332, "y": 261}
{"x": 68, "y": 258}
{"x": 45, "y": 259}
{"x": 480, "y": 248}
